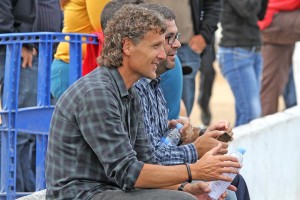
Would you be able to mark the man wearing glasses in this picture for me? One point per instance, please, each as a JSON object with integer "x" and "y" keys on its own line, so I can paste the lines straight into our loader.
{"x": 155, "y": 112}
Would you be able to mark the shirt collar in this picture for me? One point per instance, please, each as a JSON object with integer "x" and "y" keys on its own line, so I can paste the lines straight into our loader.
{"x": 119, "y": 81}
{"x": 155, "y": 83}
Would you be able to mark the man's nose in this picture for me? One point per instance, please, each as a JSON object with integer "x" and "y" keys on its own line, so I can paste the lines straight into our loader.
{"x": 162, "y": 54}
{"x": 176, "y": 44}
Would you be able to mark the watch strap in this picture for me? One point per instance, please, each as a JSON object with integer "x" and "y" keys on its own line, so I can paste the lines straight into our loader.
{"x": 180, "y": 188}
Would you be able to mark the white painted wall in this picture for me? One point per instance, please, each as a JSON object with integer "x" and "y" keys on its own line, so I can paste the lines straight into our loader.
{"x": 296, "y": 62}
{"x": 271, "y": 164}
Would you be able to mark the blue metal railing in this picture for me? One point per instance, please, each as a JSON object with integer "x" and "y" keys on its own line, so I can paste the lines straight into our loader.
{"x": 31, "y": 120}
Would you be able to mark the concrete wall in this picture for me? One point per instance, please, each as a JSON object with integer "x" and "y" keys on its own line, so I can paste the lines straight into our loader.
{"x": 296, "y": 62}
{"x": 271, "y": 164}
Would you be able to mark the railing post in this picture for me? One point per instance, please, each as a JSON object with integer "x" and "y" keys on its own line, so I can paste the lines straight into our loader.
{"x": 10, "y": 105}
{"x": 75, "y": 58}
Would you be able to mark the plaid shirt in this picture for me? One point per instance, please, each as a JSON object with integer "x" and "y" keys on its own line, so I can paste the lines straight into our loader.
{"x": 155, "y": 122}
{"x": 97, "y": 139}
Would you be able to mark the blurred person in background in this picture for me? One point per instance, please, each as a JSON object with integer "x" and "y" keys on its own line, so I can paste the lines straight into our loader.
{"x": 207, "y": 77}
{"x": 289, "y": 93}
{"x": 240, "y": 57}
{"x": 80, "y": 16}
{"x": 280, "y": 30}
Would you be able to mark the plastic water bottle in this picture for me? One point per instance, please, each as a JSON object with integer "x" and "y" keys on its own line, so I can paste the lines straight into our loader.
{"x": 219, "y": 187}
{"x": 172, "y": 136}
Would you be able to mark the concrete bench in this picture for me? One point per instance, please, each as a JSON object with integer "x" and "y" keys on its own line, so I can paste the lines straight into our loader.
{"x": 39, "y": 195}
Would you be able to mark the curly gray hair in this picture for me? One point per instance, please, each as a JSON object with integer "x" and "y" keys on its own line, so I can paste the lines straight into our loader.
{"x": 133, "y": 22}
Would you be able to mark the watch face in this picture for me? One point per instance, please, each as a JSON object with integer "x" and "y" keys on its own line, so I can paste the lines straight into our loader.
{"x": 226, "y": 137}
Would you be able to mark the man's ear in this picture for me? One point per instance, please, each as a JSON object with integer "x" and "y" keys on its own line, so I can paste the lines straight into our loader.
{"x": 126, "y": 46}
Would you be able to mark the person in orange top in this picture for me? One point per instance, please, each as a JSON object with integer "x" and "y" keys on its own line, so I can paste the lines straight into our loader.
{"x": 80, "y": 16}
{"x": 280, "y": 31}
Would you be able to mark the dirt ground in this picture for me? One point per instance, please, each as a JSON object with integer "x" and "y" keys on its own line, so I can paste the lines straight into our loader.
{"x": 221, "y": 103}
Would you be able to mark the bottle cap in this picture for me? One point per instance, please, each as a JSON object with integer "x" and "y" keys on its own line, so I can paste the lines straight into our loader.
{"x": 241, "y": 150}
{"x": 179, "y": 126}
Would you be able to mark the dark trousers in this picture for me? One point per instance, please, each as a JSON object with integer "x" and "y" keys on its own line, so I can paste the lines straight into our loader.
{"x": 145, "y": 194}
{"x": 242, "y": 192}
{"x": 207, "y": 77}
{"x": 277, "y": 51}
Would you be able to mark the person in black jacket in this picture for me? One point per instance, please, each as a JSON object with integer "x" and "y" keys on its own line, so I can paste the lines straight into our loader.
{"x": 18, "y": 16}
{"x": 240, "y": 57}
{"x": 205, "y": 17}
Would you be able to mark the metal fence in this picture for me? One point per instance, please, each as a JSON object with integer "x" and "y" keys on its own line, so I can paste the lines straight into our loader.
{"x": 31, "y": 120}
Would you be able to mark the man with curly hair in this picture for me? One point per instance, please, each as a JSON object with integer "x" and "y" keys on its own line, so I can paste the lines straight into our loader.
{"x": 97, "y": 146}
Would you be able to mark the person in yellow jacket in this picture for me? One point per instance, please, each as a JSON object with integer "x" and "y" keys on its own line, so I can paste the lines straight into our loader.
{"x": 80, "y": 16}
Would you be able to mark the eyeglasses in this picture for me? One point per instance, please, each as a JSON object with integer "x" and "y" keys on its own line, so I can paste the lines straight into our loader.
{"x": 171, "y": 38}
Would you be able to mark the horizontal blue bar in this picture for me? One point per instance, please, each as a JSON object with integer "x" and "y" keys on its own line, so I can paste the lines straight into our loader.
{"x": 37, "y": 37}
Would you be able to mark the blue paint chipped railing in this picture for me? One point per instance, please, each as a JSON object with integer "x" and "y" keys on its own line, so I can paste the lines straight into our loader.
{"x": 31, "y": 120}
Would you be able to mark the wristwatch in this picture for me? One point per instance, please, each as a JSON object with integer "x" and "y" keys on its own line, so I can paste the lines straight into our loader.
{"x": 180, "y": 188}
{"x": 201, "y": 132}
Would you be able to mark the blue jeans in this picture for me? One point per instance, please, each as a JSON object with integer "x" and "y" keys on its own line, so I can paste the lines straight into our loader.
{"x": 189, "y": 58}
{"x": 242, "y": 69}
{"x": 289, "y": 94}
{"x": 25, "y": 142}
{"x": 231, "y": 195}
{"x": 59, "y": 78}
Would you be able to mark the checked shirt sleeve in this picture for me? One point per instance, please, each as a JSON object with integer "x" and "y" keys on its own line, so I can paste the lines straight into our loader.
{"x": 155, "y": 122}
{"x": 174, "y": 155}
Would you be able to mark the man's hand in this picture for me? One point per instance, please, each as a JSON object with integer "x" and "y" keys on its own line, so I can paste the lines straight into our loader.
{"x": 184, "y": 121}
{"x": 222, "y": 197}
{"x": 212, "y": 166}
{"x": 208, "y": 141}
{"x": 201, "y": 189}
{"x": 220, "y": 126}
{"x": 27, "y": 57}
{"x": 187, "y": 133}
{"x": 197, "y": 188}
{"x": 197, "y": 43}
